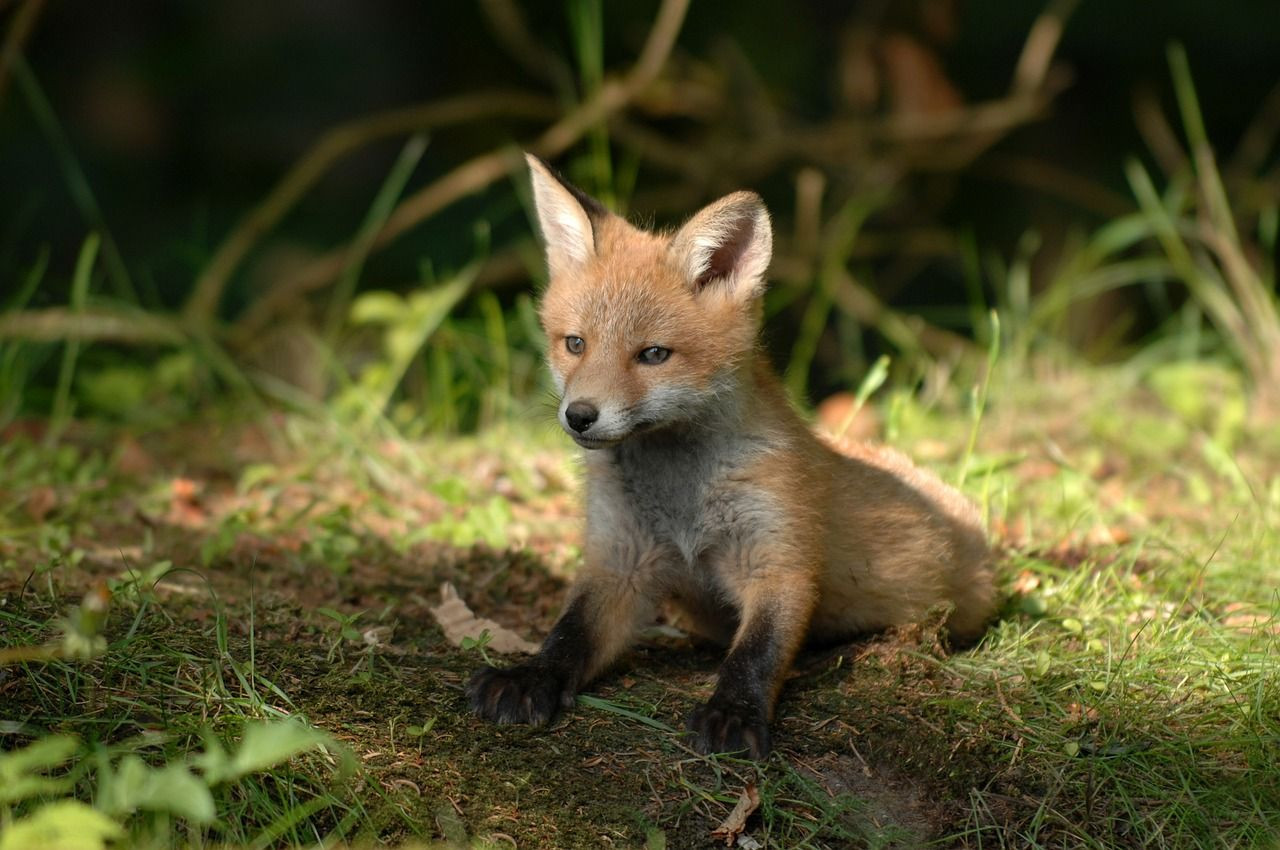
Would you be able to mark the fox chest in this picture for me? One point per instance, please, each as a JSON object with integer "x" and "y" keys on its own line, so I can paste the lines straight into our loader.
{"x": 693, "y": 499}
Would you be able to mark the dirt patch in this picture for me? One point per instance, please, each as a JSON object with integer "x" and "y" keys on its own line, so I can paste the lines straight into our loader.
{"x": 895, "y": 803}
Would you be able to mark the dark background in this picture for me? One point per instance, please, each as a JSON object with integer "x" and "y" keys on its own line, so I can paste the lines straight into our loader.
{"x": 183, "y": 114}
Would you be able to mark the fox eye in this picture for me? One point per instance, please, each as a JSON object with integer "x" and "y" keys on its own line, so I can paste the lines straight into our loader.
{"x": 575, "y": 344}
{"x": 653, "y": 355}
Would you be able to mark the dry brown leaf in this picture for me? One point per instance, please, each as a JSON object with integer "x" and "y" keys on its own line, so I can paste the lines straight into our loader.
{"x": 40, "y": 503}
{"x": 132, "y": 459}
{"x": 1026, "y": 582}
{"x": 736, "y": 823}
{"x": 838, "y": 416}
{"x": 457, "y": 621}
{"x": 917, "y": 83}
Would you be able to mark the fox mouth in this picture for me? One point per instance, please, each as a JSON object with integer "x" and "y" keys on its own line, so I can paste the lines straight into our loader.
{"x": 595, "y": 442}
{"x": 592, "y": 441}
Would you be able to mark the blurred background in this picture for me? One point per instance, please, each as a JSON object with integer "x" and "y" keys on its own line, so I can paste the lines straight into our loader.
{"x": 310, "y": 199}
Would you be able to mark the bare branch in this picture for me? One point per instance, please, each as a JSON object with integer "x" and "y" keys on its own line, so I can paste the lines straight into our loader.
{"x": 24, "y": 21}
{"x": 509, "y": 26}
{"x": 59, "y": 324}
{"x": 1041, "y": 44}
{"x": 481, "y": 171}
{"x": 316, "y": 162}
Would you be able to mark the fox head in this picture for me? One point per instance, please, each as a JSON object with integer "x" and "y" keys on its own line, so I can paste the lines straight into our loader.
{"x": 646, "y": 329}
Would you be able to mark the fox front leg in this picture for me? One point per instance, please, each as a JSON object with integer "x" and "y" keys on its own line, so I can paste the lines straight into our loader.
{"x": 602, "y": 616}
{"x": 775, "y": 617}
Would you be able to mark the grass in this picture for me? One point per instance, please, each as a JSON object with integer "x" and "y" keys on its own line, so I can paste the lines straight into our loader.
{"x": 1126, "y": 697}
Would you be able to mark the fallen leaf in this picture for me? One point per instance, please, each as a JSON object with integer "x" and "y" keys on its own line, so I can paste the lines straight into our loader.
{"x": 917, "y": 84}
{"x": 41, "y": 503}
{"x": 1026, "y": 582}
{"x": 132, "y": 459}
{"x": 457, "y": 621}
{"x": 838, "y": 417}
{"x": 1101, "y": 535}
{"x": 184, "y": 503}
{"x": 184, "y": 489}
{"x": 736, "y": 823}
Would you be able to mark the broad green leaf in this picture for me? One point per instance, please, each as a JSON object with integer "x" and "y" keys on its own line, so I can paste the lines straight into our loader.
{"x": 379, "y": 306}
{"x": 172, "y": 789}
{"x": 17, "y": 781}
{"x": 65, "y": 825}
{"x": 264, "y": 745}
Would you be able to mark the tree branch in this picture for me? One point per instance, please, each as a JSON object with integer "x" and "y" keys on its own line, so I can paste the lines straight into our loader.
{"x": 481, "y": 171}
{"x": 59, "y": 324}
{"x": 316, "y": 162}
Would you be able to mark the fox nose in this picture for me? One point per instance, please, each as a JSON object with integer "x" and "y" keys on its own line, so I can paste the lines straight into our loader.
{"x": 581, "y": 415}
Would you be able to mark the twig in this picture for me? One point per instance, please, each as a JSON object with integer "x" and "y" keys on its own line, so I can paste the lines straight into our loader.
{"x": 1044, "y": 176}
{"x": 508, "y": 24}
{"x": 479, "y": 172}
{"x": 59, "y": 324}
{"x": 1009, "y": 712}
{"x": 1157, "y": 133}
{"x": 811, "y": 185}
{"x": 1259, "y": 138}
{"x": 1041, "y": 44}
{"x": 73, "y": 173}
{"x": 11, "y": 655}
{"x": 24, "y": 21}
{"x": 906, "y": 334}
{"x": 316, "y": 162}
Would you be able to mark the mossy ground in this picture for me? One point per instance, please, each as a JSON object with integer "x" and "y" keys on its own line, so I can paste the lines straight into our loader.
{"x": 1126, "y": 697}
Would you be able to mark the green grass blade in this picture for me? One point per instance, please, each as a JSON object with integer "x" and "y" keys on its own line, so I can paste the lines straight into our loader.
{"x": 76, "y": 180}
{"x": 614, "y": 708}
{"x": 979, "y": 402}
{"x": 380, "y": 210}
{"x": 66, "y": 370}
{"x": 586, "y": 18}
{"x": 874, "y": 379}
{"x": 12, "y": 377}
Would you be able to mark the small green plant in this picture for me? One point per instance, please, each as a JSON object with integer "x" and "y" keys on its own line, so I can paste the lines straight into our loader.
{"x": 347, "y": 631}
{"x": 1195, "y": 225}
{"x": 39, "y": 806}
{"x": 406, "y": 323}
{"x": 486, "y": 523}
{"x": 478, "y": 644}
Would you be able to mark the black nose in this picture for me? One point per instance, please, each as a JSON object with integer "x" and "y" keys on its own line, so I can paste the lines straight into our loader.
{"x": 581, "y": 415}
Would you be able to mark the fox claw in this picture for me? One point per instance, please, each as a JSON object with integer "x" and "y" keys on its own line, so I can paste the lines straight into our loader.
{"x": 724, "y": 726}
{"x": 527, "y": 693}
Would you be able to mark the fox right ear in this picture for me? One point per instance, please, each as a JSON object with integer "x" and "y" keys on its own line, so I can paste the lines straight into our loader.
{"x": 726, "y": 247}
{"x": 566, "y": 216}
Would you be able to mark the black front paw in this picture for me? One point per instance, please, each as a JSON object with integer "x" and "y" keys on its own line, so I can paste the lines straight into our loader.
{"x": 528, "y": 693}
{"x": 723, "y": 725}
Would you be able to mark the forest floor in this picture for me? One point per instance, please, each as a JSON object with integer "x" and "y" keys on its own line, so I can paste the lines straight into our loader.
{"x": 1127, "y": 695}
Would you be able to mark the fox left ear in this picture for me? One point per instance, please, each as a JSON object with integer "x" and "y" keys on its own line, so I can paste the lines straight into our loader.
{"x": 726, "y": 244}
{"x": 567, "y": 217}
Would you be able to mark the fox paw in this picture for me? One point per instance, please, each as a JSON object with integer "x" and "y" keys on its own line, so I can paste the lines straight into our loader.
{"x": 724, "y": 726}
{"x": 528, "y": 693}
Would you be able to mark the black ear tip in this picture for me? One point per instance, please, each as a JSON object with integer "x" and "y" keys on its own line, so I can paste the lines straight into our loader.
{"x": 592, "y": 207}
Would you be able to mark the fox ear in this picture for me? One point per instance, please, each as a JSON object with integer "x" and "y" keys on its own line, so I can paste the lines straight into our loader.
{"x": 565, "y": 216}
{"x": 726, "y": 244}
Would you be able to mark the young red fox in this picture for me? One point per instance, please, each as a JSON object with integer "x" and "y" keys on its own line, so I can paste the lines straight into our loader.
{"x": 704, "y": 489}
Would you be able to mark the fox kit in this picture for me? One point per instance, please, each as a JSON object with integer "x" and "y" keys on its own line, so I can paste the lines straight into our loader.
{"x": 704, "y": 489}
